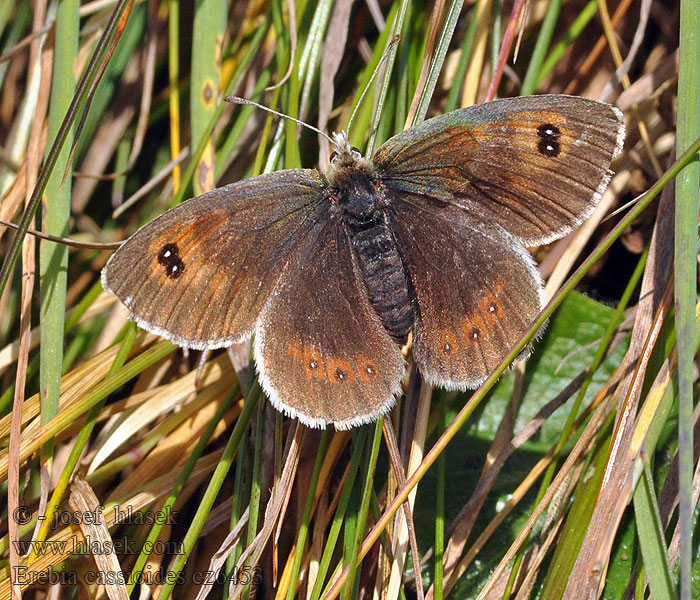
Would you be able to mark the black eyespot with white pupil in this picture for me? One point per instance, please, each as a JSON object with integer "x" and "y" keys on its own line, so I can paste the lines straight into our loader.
{"x": 169, "y": 257}
{"x": 549, "y": 144}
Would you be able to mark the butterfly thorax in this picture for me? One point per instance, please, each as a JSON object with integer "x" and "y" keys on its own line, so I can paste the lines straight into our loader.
{"x": 358, "y": 195}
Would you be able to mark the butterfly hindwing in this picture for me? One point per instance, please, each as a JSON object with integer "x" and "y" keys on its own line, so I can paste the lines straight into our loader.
{"x": 476, "y": 291}
{"x": 536, "y": 166}
{"x": 175, "y": 279}
{"x": 321, "y": 351}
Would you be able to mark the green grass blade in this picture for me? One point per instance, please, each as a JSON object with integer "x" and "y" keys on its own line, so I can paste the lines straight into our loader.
{"x": 544, "y": 39}
{"x": 121, "y": 10}
{"x": 306, "y": 516}
{"x": 651, "y": 538}
{"x": 438, "y": 59}
{"x": 215, "y": 483}
{"x": 53, "y": 258}
{"x": 582, "y": 20}
{"x": 208, "y": 30}
{"x": 439, "y": 543}
{"x": 338, "y": 518}
{"x": 167, "y": 506}
{"x": 685, "y": 269}
{"x": 453, "y": 95}
{"x": 373, "y": 454}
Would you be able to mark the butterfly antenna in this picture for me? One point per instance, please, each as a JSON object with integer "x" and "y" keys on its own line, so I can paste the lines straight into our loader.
{"x": 387, "y": 52}
{"x": 238, "y": 100}
{"x": 64, "y": 240}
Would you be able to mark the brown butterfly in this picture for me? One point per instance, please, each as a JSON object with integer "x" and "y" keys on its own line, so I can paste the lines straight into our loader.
{"x": 333, "y": 271}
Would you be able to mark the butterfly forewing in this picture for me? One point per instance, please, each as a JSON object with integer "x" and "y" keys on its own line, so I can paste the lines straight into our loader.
{"x": 536, "y": 166}
{"x": 321, "y": 351}
{"x": 201, "y": 273}
{"x": 476, "y": 292}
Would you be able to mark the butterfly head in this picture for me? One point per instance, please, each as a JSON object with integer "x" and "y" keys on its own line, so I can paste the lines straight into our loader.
{"x": 345, "y": 159}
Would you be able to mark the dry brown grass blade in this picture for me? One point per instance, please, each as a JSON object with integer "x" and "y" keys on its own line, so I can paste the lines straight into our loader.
{"x": 515, "y": 21}
{"x": 28, "y": 270}
{"x": 109, "y": 411}
{"x": 556, "y": 514}
{"x": 9, "y": 354}
{"x": 149, "y": 73}
{"x": 40, "y": 83}
{"x": 33, "y": 164}
{"x": 323, "y": 517}
{"x": 464, "y": 522}
{"x": 33, "y": 436}
{"x": 179, "y": 443}
{"x": 404, "y": 530}
{"x": 158, "y": 178}
{"x": 462, "y": 526}
{"x": 102, "y": 67}
{"x": 574, "y": 244}
{"x": 621, "y": 73}
{"x": 280, "y": 519}
{"x": 11, "y": 201}
{"x": 320, "y": 526}
{"x": 470, "y": 89}
{"x": 332, "y": 53}
{"x": 436, "y": 20}
{"x": 612, "y": 42}
{"x": 216, "y": 378}
{"x": 652, "y": 84}
{"x": 68, "y": 538}
{"x": 26, "y": 41}
{"x": 594, "y": 56}
{"x": 100, "y": 546}
{"x": 577, "y": 453}
{"x": 74, "y": 384}
{"x": 588, "y": 574}
{"x": 227, "y": 546}
{"x": 616, "y": 486}
{"x": 64, "y": 240}
{"x": 273, "y": 509}
{"x": 322, "y": 511}
{"x": 109, "y": 134}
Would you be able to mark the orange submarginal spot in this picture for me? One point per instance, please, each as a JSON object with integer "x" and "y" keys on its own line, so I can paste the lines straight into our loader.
{"x": 310, "y": 358}
{"x": 473, "y": 329}
{"x": 294, "y": 350}
{"x": 449, "y": 344}
{"x": 366, "y": 368}
{"x": 490, "y": 306}
{"x": 339, "y": 370}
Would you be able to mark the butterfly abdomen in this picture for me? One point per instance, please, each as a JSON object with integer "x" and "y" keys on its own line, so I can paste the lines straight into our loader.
{"x": 383, "y": 273}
